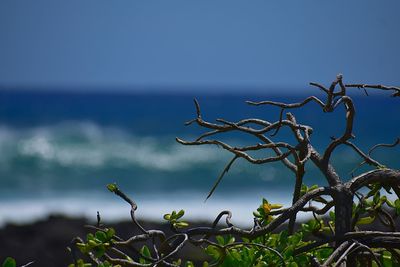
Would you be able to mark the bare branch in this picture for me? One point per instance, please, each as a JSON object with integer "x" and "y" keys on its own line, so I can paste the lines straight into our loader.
{"x": 279, "y": 124}
{"x": 396, "y": 142}
{"x": 124, "y": 262}
{"x": 177, "y": 248}
{"x": 271, "y": 126}
{"x": 238, "y": 152}
{"x": 366, "y": 157}
{"x": 321, "y": 211}
{"x": 339, "y": 251}
{"x": 348, "y": 133}
{"x": 355, "y": 247}
{"x": 226, "y": 169}
{"x": 228, "y": 126}
{"x": 396, "y": 90}
{"x": 289, "y": 106}
{"x": 370, "y": 234}
{"x": 321, "y": 87}
{"x": 387, "y": 176}
{"x": 142, "y": 237}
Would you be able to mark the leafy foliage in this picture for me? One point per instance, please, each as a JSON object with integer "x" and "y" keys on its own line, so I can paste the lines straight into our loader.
{"x": 271, "y": 249}
{"x": 174, "y": 219}
{"x": 279, "y": 249}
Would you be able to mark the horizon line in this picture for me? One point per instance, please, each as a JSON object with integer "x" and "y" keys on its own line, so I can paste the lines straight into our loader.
{"x": 164, "y": 89}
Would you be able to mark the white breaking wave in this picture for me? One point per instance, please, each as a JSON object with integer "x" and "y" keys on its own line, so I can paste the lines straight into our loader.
{"x": 84, "y": 144}
{"x": 88, "y": 145}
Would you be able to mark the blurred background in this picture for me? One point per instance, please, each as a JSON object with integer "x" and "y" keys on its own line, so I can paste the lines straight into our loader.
{"x": 95, "y": 92}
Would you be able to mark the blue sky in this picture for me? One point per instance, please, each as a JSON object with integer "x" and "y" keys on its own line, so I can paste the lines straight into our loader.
{"x": 240, "y": 45}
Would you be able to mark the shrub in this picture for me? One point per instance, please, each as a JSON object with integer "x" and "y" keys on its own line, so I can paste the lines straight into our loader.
{"x": 333, "y": 237}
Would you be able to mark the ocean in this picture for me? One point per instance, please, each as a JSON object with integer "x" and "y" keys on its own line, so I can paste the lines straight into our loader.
{"x": 59, "y": 150}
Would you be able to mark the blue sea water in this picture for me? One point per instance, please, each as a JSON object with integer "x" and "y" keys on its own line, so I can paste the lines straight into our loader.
{"x": 60, "y": 149}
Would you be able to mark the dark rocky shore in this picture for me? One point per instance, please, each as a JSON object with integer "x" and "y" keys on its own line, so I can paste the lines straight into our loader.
{"x": 45, "y": 242}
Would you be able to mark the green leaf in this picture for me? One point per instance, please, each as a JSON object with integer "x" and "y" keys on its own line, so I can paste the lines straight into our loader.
{"x": 145, "y": 251}
{"x": 81, "y": 263}
{"x": 189, "y": 264}
{"x": 100, "y": 235}
{"x": 313, "y": 225}
{"x": 257, "y": 214}
{"x": 110, "y": 233}
{"x": 332, "y": 215}
{"x": 288, "y": 251}
{"x": 246, "y": 240}
{"x": 89, "y": 236}
{"x": 374, "y": 190}
{"x": 9, "y": 262}
{"x": 305, "y": 228}
{"x": 302, "y": 260}
{"x": 112, "y": 187}
{"x": 313, "y": 187}
{"x": 220, "y": 240}
{"x": 213, "y": 252}
{"x": 105, "y": 264}
{"x": 178, "y": 262}
{"x": 303, "y": 189}
{"x": 365, "y": 220}
{"x": 92, "y": 243}
{"x": 377, "y": 197}
{"x": 181, "y": 224}
{"x": 180, "y": 214}
{"x": 295, "y": 238}
{"x": 387, "y": 259}
{"x": 99, "y": 251}
{"x": 276, "y": 206}
{"x": 324, "y": 253}
{"x": 390, "y": 203}
{"x": 235, "y": 254}
{"x": 262, "y": 264}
